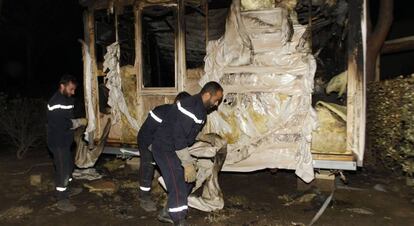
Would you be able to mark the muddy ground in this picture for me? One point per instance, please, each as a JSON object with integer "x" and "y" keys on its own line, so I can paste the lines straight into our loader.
{"x": 261, "y": 198}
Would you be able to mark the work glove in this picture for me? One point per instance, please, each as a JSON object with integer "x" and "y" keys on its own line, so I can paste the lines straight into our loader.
{"x": 190, "y": 173}
{"x": 188, "y": 164}
{"x": 76, "y": 123}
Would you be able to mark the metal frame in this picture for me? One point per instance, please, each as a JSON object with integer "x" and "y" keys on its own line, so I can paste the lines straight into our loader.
{"x": 330, "y": 164}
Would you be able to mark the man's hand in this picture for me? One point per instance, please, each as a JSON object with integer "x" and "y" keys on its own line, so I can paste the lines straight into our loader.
{"x": 188, "y": 164}
{"x": 190, "y": 173}
{"x": 76, "y": 123}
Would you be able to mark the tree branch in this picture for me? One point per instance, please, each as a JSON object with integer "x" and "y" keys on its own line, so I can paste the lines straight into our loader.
{"x": 379, "y": 34}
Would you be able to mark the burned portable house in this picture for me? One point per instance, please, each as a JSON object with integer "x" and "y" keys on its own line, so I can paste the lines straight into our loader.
{"x": 269, "y": 56}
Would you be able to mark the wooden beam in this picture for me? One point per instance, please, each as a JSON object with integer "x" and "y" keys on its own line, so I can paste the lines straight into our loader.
{"x": 138, "y": 47}
{"x": 206, "y": 22}
{"x": 355, "y": 141}
{"x": 181, "y": 68}
{"x": 332, "y": 157}
{"x": 104, "y": 4}
{"x": 398, "y": 45}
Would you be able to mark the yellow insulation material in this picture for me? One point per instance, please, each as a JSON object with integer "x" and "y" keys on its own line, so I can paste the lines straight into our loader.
{"x": 330, "y": 137}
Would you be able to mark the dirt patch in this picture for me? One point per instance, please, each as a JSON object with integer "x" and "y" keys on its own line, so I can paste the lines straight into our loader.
{"x": 15, "y": 213}
{"x": 250, "y": 199}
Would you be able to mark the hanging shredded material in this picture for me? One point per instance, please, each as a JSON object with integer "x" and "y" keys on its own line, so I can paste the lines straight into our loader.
{"x": 113, "y": 82}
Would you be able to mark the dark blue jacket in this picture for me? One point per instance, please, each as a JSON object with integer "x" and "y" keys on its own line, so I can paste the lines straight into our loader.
{"x": 59, "y": 124}
{"x": 150, "y": 125}
{"x": 182, "y": 124}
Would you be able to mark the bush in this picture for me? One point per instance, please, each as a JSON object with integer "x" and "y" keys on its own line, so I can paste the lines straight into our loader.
{"x": 391, "y": 123}
{"x": 23, "y": 122}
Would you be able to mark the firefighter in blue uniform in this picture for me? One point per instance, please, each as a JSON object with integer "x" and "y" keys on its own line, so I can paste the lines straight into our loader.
{"x": 60, "y": 130}
{"x": 144, "y": 138}
{"x": 170, "y": 148}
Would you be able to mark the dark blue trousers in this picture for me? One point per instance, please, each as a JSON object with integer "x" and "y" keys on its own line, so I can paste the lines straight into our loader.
{"x": 146, "y": 168}
{"x": 63, "y": 162}
{"x": 173, "y": 174}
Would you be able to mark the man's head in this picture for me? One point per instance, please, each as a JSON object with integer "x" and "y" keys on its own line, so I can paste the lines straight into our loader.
{"x": 212, "y": 94}
{"x": 67, "y": 85}
{"x": 181, "y": 96}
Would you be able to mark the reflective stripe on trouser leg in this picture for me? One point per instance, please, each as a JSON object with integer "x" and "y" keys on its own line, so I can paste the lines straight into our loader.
{"x": 146, "y": 168}
{"x": 178, "y": 209}
{"x": 145, "y": 188}
{"x": 173, "y": 175}
{"x": 61, "y": 188}
{"x": 63, "y": 162}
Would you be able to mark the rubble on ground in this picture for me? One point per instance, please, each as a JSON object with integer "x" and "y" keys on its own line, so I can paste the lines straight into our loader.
{"x": 114, "y": 165}
{"x": 86, "y": 174}
{"x": 102, "y": 186}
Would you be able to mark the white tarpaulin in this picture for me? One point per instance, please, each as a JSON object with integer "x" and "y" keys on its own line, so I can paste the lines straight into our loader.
{"x": 267, "y": 75}
{"x": 88, "y": 92}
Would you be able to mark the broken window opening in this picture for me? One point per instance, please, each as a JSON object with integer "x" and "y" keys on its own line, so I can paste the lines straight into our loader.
{"x": 198, "y": 27}
{"x": 159, "y": 27}
{"x": 104, "y": 34}
{"x": 103, "y": 93}
{"x": 195, "y": 37}
{"x": 126, "y": 36}
{"x": 329, "y": 29}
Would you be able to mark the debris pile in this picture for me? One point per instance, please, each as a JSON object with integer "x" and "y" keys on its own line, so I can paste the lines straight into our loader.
{"x": 391, "y": 123}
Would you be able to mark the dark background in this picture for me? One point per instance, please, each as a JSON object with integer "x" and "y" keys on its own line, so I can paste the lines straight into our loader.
{"x": 39, "y": 42}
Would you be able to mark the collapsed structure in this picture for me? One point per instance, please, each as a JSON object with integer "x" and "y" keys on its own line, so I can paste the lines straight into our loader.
{"x": 140, "y": 54}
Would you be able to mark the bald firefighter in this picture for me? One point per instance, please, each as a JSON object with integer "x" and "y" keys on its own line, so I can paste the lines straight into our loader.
{"x": 170, "y": 148}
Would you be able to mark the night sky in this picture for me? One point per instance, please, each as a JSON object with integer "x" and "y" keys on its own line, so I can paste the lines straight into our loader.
{"x": 39, "y": 44}
{"x": 39, "y": 41}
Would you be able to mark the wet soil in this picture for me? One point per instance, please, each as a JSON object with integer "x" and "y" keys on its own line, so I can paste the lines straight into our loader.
{"x": 261, "y": 198}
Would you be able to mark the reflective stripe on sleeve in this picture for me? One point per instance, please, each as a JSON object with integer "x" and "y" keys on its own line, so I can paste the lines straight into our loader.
{"x": 59, "y": 106}
{"x": 189, "y": 114}
{"x": 155, "y": 117}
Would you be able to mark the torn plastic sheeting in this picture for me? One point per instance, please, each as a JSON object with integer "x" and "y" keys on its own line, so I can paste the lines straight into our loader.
{"x": 254, "y": 114}
{"x": 257, "y": 4}
{"x": 247, "y": 83}
{"x": 268, "y": 29}
{"x": 91, "y": 127}
{"x": 237, "y": 44}
{"x": 259, "y": 107}
{"x": 210, "y": 159}
{"x": 265, "y": 22}
{"x": 86, "y": 157}
{"x": 113, "y": 82}
{"x": 232, "y": 49}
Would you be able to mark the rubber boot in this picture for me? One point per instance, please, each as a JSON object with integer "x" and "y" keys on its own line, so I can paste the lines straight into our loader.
{"x": 66, "y": 205}
{"x": 146, "y": 202}
{"x": 74, "y": 191}
{"x": 181, "y": 222}
{"x": 164, "y": 216}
